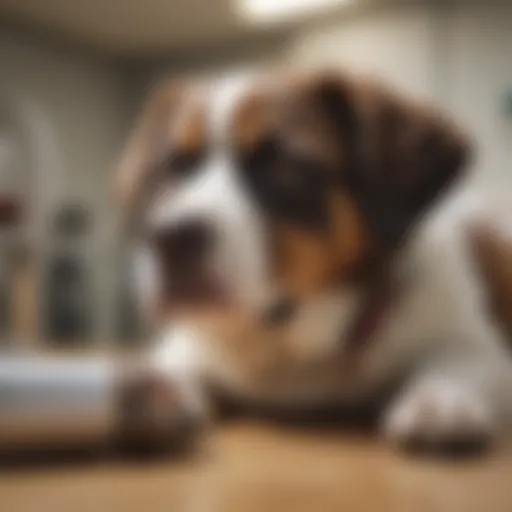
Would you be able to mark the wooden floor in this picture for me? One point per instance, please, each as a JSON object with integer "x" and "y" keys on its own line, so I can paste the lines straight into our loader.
{"x": 250, "y": 467}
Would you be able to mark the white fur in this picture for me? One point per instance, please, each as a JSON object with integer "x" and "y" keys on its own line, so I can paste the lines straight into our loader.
{"x": 438, "y": 334}
{"x": 440, "y": 409}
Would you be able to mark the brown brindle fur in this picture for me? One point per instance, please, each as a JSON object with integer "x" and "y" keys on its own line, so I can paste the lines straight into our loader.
{"x": 393, "y": 131}
{"x": 305, "y": 261}
{"x": 188, "y": 131}
{"x": 308, "y": 262}
{"x": 140, "y": 153}
{"x": 250, "y": 121}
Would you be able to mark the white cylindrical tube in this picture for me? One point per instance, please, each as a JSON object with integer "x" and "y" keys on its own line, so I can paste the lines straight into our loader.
{"x": 60, "y": 402}
{"x": 56, "y": 401}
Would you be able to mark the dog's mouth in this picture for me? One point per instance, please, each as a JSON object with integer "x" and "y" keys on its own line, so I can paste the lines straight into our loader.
{"x": 193, "y": 290}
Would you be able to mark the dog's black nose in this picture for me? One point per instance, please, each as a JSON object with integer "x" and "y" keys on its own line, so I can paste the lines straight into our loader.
{"x": 183, "y": 243}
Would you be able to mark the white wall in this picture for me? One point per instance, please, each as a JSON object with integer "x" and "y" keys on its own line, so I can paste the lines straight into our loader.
{"x": 82, "y": 101}
{"x": 478, "y": 67}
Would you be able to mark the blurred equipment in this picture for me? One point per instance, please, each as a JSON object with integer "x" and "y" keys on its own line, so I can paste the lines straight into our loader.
{"x": 507, "y": 103}
{"x": 11, "y": 213}
{"x": 20, "y": 219}
{"x": 129, "y": 325}
{"x": 67, "y": 301}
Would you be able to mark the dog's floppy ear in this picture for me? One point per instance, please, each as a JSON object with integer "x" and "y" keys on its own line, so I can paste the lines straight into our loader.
{"x": 145, "y": 143}
{"x": 398, "y": 157}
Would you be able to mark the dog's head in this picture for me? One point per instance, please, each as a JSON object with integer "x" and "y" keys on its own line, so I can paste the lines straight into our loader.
{"x": 251, "y": 190}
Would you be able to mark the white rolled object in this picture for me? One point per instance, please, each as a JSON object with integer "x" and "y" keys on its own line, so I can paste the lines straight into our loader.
{"x": 56, "y": 401}
{"x": 61, "y": 402}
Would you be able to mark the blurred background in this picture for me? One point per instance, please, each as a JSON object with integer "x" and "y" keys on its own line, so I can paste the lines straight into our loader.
{"x": 74, "y": 73}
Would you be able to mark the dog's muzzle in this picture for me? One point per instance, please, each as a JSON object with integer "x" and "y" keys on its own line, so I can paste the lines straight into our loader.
{"x": 184, "y": 253}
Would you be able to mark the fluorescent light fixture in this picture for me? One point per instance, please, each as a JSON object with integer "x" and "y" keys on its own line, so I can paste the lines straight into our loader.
{"x": 270, "y": 11}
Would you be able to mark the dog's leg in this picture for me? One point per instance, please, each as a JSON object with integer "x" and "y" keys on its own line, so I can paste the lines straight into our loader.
{"x": 165, "y": 404}
{"x": 453, "y": 402}
{"x": 178, "y": 355}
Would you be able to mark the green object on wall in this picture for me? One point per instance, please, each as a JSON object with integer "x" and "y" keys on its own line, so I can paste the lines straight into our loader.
{"x": 507, "y": 103}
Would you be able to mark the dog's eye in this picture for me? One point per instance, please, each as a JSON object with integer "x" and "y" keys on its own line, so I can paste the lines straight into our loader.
{"x": 181, "y": 163}
{"x": 298, "y": 174}
{"x": 271, "y": 167}
{"x": 260, "y": 166}
{"x": 265, "y": 156}
{"x": 289, "y": 185}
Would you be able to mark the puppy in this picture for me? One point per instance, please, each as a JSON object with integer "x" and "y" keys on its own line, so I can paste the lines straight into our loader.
{"x": 296, "y": 247}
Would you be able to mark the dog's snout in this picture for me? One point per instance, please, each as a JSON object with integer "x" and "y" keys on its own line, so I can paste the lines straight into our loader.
{"x": 185, "y": 242}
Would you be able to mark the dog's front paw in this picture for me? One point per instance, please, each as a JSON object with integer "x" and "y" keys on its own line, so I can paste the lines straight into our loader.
{"x": 158, "y": 413}
{"x": 440, "y": 416}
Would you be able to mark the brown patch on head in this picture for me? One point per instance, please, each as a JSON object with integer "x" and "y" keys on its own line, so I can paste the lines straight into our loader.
{"x": 343, "y": 168}
{"x": 290, "y": 158}
{"x": 187, "y": 133}
{"x": 170, "y": 132}
{"x": 250, "y": 121}
{"x": 308, "y": 261}
{"x": 398, "y": 155}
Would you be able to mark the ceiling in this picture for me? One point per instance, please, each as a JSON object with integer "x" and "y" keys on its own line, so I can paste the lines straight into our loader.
{"x": 142, "y": 27}
{"x": 131, "y": 26}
